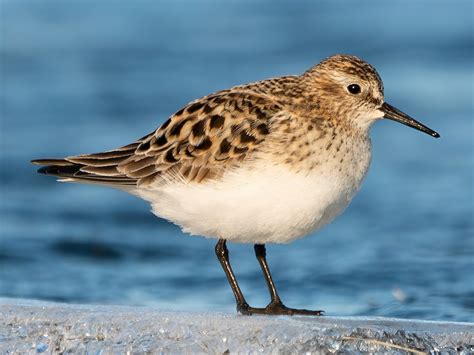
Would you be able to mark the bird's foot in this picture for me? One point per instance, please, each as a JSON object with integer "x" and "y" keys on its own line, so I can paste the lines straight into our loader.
{"x": 276, "y": 309}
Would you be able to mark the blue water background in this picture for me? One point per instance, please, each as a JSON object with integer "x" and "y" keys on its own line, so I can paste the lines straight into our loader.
{"x": 87, "y": 76}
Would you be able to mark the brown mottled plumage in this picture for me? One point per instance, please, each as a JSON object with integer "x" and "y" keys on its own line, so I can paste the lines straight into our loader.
{"x": 218, "y": 131}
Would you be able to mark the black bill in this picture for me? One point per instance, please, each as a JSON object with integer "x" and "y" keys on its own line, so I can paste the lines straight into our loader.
{"x": 396, "y": 115}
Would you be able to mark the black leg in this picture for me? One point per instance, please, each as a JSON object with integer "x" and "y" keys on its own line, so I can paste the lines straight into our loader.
{"x": 223, "y": 256}
{"x": 276, "y": 306}
{"x": 261, "y": 253}
{"x": 242, "y": 305}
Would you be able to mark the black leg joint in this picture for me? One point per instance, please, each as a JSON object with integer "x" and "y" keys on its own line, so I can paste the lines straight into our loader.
{"x": 221, "y": 249}
{"x": 260, "y": 250}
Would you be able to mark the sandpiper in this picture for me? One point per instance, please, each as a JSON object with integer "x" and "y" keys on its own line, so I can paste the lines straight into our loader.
{"x": 265, "y": 162}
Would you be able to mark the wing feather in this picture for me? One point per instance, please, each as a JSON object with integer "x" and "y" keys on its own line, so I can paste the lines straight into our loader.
{"x": 206, "y": 137}
{"x": 198, "y": 142}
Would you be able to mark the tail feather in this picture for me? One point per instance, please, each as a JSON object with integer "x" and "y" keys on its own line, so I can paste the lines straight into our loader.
{"x": 84, "y": 160}
{"x": 59, "y": 170}
{"x": 58, "y": 162}
{"x": 100, "y": 168}
{"x": 67, "y": 171}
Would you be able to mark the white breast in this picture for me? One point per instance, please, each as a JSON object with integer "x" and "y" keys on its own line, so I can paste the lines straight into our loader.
{"x": 262, "y": 203}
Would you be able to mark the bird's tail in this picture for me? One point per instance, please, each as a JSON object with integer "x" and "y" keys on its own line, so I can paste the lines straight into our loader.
{"x": 98, "y": 168}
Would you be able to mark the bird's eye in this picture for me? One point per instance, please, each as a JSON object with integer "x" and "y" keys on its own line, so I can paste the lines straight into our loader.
{"x": 353, "y": 89}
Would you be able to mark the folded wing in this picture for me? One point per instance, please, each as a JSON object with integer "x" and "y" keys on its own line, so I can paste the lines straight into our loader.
{"x": 198, "y": 142}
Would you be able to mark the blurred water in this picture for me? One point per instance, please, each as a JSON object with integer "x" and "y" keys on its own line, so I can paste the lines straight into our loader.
{"x": 87, "y": 76}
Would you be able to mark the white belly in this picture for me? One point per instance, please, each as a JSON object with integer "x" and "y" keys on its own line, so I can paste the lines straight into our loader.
{"x": 271, "y": 204}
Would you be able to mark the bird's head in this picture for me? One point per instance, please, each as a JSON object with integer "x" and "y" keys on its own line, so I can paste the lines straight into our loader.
{"x": 349, "y": 88}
